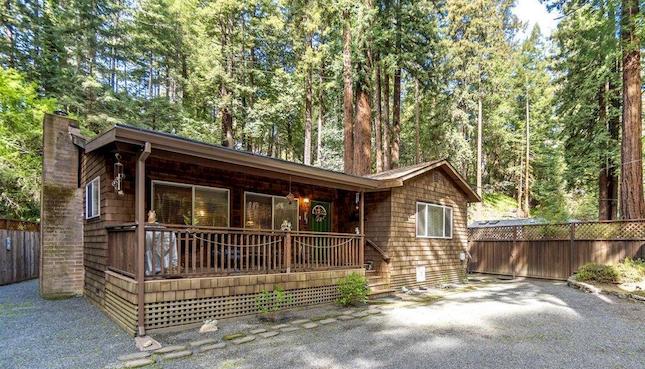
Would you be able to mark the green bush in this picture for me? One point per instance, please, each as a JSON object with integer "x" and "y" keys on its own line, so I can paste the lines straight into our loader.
{"x": 270, "y": 302}
{"x": 353, "y": 290}
{"x": 597, "y": 273}
{"x": 631, "y": 270}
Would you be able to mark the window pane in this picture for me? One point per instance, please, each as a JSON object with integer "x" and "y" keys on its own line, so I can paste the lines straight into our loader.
{"x": 421, "y": 220}
{"x": 435, "y": 221}
{"x": 257, "y": 214}
{"x": 283, "y": 211}
{"x": 211, "y": 207}
{"x": 88, "y": 200}
{"x": 173, "y": 204}
{"x": 448, "y": 223}
{"x": 95, "y": 198}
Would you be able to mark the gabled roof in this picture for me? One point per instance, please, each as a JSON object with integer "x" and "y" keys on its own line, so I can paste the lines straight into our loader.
{"x": 405, "y": 173}
{"x": 173, "y": 143}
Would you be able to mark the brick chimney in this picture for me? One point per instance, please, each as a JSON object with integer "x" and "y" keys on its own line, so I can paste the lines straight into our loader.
{"x": 61, "y": 211}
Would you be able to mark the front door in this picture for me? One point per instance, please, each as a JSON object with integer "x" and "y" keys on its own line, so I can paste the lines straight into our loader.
{"x": 320, "y": 216}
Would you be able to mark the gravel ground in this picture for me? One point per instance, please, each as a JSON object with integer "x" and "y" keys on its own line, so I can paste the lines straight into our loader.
{"x": 532, "y": 324}
{"x": 45, "y": 334}
{"x": 525, "y": 324}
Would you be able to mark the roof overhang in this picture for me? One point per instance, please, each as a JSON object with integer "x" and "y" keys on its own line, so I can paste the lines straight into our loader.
{"x": 171, "y": 143}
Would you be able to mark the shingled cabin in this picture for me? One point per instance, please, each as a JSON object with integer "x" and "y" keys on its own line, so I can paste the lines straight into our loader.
{"x": 227, "y": 224}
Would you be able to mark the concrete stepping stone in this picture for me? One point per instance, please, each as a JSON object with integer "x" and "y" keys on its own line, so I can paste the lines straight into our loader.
{"x": 269, "y": 334}
{"x": 348, "y": 312}
{"x": 309, "y": 325}
{"x": 346, "y": 317}
{"x": 374, "y": 312}
{"x": 215, "y": 346}
{"x": 259, "y": 330}
{"x": 361, "y": 314}
{"x": 135, "y": 356}
{"x": 138, "y": 363}
{"x": 280, "y": 326}
{"x": 176, "y": 355}
{"x": 230, "y": 337}
{"x": 290, "y": 329}
{"x": 207, "y": 341}
{"x": 167, "y": 349}
{"x": 300, "y": 321}
{"x": 244, "y": 339}
{"x": 328, "y": 321}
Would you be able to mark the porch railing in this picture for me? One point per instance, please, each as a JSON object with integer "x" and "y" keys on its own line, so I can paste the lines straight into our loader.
{"x": 180, "y": 251}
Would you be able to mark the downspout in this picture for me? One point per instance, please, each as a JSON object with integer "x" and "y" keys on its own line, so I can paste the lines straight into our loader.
{"x": 140, "y": 215}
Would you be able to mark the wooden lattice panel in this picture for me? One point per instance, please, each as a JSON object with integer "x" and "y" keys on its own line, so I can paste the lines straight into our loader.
{"x": 491, "y": 234}
{"x": 625, "y": 230}
{"x": 543, "y": 232}
{"x": 177, "y": 313}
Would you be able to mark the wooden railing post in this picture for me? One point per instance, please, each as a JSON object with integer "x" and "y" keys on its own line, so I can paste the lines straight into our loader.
{"x": 287, "y": 251}
{"x": 361, "y": 252}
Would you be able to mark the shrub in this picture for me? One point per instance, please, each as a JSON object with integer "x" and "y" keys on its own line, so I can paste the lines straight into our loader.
{"x": 597, "y": 273}
{"x": 631, "y": 270}
{"x": 270, "y": 302}
{"x": 353, "y": 290}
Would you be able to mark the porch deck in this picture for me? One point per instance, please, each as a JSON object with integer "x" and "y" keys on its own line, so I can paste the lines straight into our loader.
{"x": 175, "y": 251}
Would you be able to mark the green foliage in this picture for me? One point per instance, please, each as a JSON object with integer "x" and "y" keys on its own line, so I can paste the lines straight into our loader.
{"x": 271, "y": 302}
{"x": 629, "y": 270}
{"x": 353, "y": 290}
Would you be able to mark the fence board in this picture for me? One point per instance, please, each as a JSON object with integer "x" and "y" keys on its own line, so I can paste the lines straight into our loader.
{"x": 553, "y": 251}
{"x": 19, "y": 261}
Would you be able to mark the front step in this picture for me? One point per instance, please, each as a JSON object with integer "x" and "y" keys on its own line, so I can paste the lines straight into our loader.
{"x": 379, "y": 287}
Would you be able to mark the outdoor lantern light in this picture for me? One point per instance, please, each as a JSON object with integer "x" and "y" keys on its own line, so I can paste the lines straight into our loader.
{"x": 118, "y": 175}
{"x": 290, "y": 196}
{"x": 305, "y": 203}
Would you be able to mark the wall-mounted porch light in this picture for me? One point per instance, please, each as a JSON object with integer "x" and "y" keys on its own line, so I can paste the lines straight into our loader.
{"x": 117, "y": 182}
{"x": 305, "y": 205}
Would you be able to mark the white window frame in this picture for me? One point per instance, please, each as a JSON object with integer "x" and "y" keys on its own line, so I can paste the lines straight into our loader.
{"x": 192, "y": 200}
{"x": 96, "y": 186}
{"x": 443, "y": 224}
{"x": 273, "y": 197}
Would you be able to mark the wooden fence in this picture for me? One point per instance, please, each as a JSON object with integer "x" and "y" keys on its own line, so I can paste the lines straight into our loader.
{"x": 553, "y": 251}
{"x": 19, "y": 251}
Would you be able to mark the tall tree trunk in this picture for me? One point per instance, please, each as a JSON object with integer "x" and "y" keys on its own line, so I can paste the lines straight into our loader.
{"x": 308, "y": 105}
{"x": 604, "y": 203}
{"x": 480, "y": 125}
{"x": 417, "y": 129}
{"x": 527, "y": 157}
{"x": 387, "y": 152}
{"x": 362, "y": 132}
{"x": 631, "y": 195}
{"x": 614, "y": 137}
{"x": 378, "y": 135}
{"x": 321, "y": 114}
{"x": 348, "y": 96}
{"x": 396, "y": 105}
{"x": 225, "y": 95}
{"x": 520, "y": 186}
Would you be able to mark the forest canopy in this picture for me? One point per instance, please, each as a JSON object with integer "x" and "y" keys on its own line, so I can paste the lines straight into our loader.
{"x": 357, "y": 86}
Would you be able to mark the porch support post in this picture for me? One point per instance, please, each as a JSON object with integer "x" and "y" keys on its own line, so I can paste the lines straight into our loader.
{"x": 287, "y": 251}
{"x": 140, "y": 215}
{"x": 361, "y": 255}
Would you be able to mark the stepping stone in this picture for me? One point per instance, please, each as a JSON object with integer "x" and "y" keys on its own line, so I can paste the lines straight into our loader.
{"x": 259, "y": 330}
{"x": 361, "y": 314}
{"x": 374, "y": 312}
{"x": 167, "y": 349}
{"x": 280, "y": 326}
{"x": 290, "y": 329}
{"x": 327, "y": 321}
{"x": 300, "y": 321}
{"x": 233, "y": 336}
{"x": 215, "y": 346}
{"x": 138, "y": 363}
{"x": 207, "y": 341}
{"x": 269, "y": 334}
{"x": 136, "y": 355}
{"x": 309, "y": 325}
{"x": 242, "y": 340}
{"x": 176, "y": 355}
{"x": 348, "y": 312}
{"x": 345, "y": 317}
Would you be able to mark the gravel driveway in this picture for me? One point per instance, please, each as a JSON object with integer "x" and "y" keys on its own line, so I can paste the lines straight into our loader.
{"x": 520, "y": 324}
{"x": 45, "y": 334}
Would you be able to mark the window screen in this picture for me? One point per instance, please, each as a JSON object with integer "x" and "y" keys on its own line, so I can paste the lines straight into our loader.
{"x": 258, "y": 211}
{"x": 177, "y": 203}
{"x": 285, "y": 211}
{"x": 93, "y": 198}
{"x": 434, "y": 221}
{"x": 211, "y": 207}
{"x": 173, "y": 203}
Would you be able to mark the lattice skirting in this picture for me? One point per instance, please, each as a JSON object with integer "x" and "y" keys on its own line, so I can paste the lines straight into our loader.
{"x": 163, "y": 315}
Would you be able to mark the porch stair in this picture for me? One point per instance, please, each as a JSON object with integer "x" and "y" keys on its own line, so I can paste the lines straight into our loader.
{"x": 378, "y": 285}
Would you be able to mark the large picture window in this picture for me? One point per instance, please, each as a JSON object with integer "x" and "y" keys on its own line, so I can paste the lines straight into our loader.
{"x": 434, "y": 221}
{"x": 177, "y": 203}
{"x": 93, "y": 198}
{"x": 269, "y": 212}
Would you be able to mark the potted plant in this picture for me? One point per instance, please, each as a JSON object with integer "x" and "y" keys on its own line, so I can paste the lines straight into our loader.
{"x": 271, "y": 304}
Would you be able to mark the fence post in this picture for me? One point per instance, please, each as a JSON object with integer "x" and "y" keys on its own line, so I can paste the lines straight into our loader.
{"x": 287, "y": 251}
{"x": 514, "y": 252}
{"x": 572, "y": 241}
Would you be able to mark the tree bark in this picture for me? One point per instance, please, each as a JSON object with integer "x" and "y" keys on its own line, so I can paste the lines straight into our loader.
{"x": 308, "y": 116}
{"x": 417, "y": 129}
{"x": 378, "y": 135}
{"x": 227, "y": 116}
{"x": 348, "y": 97}
{"x": 321, "y": 114}
{"x": 362, "y": 132}
{"x": 387, "y": 153}
{"x": 631, "y": 195}
{"x": 480, "y": 124}
{"x": 396, "y": 105}
{"x": 527, "y": 158}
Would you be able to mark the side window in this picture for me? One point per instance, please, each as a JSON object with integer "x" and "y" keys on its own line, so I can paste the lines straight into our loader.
{"x": 433, "y": 221}
{"x": 93, "y": 198}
